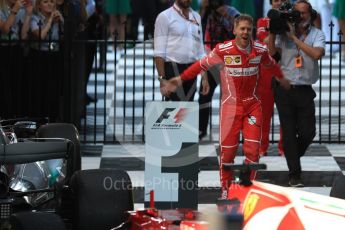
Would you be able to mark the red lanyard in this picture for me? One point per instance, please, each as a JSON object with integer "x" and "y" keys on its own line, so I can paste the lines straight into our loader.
{"x": 194, "y": 21}
{"x": 298, "y": 49}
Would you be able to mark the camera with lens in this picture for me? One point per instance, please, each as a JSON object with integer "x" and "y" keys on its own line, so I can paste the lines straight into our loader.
{"x": 279, "y": 18}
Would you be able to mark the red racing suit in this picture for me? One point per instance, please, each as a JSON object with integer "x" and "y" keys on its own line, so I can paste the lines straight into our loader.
{"x": 265, "y": 93}
{"x": 240, "y": 108}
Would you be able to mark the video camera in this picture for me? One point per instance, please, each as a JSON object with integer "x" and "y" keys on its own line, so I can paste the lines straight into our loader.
{"x": 279, "y": 18}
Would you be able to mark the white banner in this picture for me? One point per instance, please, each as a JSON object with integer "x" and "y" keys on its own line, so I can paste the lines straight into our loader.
{"x": 171, "y": 159}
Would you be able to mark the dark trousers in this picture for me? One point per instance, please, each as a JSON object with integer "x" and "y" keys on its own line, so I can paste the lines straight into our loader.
{"x": 90, "y": 33}
{"x": 296, "y": 111}
{"x": 205, "y": 101}
{"x": 187, "y": 91}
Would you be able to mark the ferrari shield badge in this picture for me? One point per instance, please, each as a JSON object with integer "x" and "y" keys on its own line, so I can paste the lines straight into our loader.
{"x": 249, "y": 205}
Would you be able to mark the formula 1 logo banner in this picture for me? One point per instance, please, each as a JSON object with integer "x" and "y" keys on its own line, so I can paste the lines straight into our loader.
{"x": 171, "y": 153}
{"x": 162, "y": 117}
{"x": 171, "y": 118}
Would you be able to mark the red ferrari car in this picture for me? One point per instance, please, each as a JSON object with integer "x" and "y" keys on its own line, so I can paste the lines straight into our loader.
{"x": 250, "y": 205}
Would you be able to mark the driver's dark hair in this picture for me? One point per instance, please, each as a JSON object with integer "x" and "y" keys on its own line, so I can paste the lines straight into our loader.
{"x": 243, "y": 17}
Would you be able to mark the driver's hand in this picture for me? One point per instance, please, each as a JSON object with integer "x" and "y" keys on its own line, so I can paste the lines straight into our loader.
{"x": 173, "y": 84}
{"x": 205, "y": 86}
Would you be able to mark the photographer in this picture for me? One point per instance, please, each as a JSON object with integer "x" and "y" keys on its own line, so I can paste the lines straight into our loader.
{"x": 299, "y": 50}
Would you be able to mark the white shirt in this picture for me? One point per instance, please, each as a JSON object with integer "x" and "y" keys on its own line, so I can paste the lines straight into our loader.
{"x": 176, "y": 38}
{"x": 308, "y": 74}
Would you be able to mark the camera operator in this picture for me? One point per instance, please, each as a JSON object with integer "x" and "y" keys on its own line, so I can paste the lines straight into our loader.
{"x": 299, "y": 50}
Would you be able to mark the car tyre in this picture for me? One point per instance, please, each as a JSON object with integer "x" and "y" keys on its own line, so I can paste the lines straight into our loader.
{"x": 101, "y": 198}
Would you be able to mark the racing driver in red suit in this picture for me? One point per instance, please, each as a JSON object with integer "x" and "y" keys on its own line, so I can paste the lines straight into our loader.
{"x": 240, "y": 107}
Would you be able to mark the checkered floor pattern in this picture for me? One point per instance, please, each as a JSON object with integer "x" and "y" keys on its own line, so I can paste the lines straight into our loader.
{"x": 321, "y": 164}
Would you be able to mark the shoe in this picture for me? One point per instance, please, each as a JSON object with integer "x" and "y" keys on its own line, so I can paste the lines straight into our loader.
{"x": 296, "y": 182}
{"x": 89, "y": 100}
{"x": 202, "y": 135}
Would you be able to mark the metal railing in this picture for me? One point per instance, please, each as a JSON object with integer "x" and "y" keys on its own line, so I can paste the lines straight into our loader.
{"x": 121, "y": 81}
{"x": 128, "y": 81}
{"x": 31, "y": 75}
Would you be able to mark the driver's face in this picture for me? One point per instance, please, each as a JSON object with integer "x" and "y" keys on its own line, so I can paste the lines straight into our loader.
{"x": 243, "y": 32}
